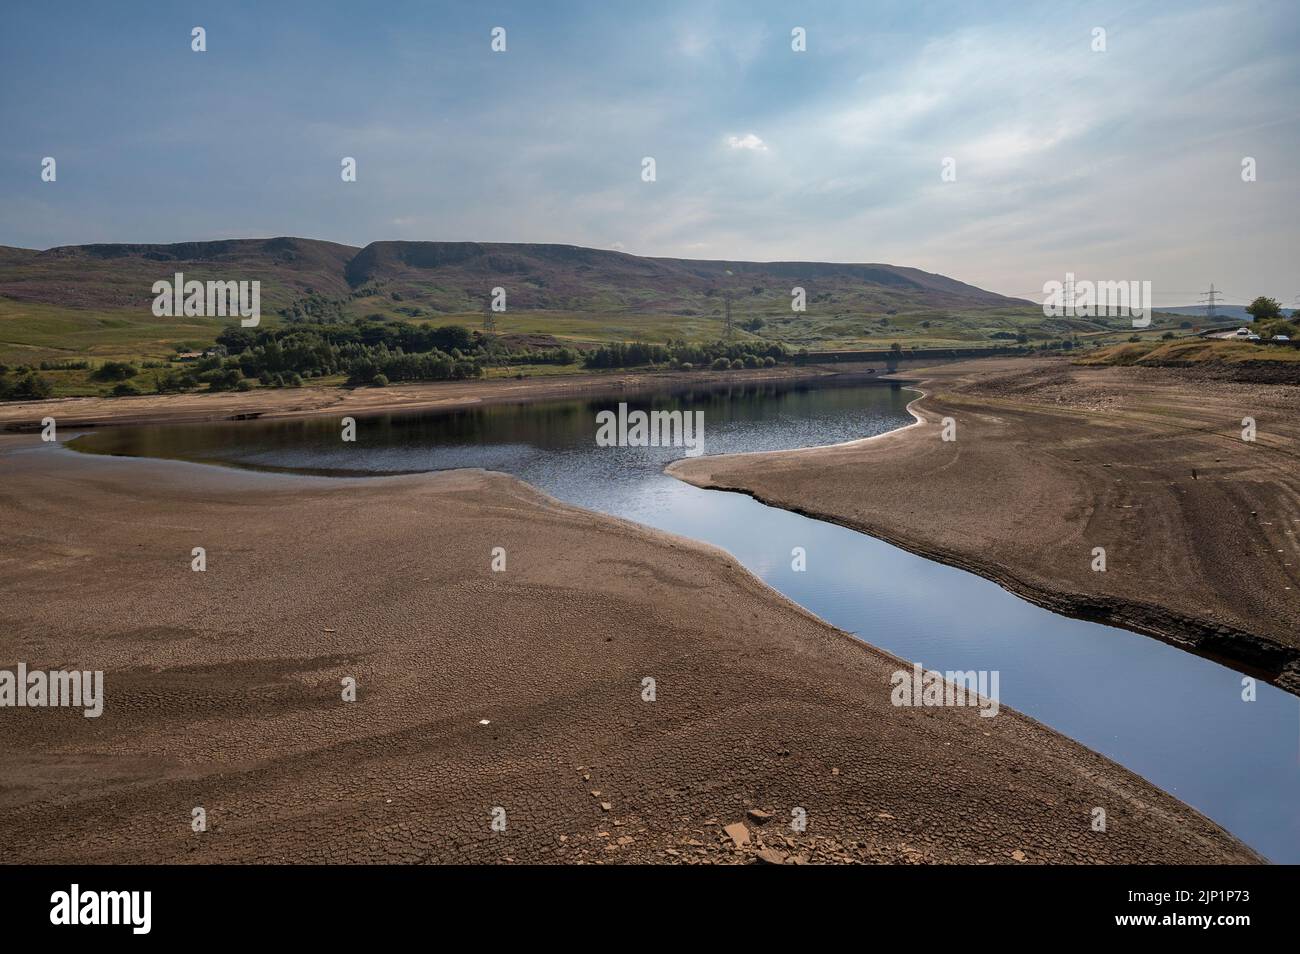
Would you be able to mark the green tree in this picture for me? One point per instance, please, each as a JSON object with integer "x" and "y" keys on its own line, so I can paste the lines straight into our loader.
{"x": 114, "y": 371}
{"x": 30, "y": 387}
{"x": 1264, "y": 309}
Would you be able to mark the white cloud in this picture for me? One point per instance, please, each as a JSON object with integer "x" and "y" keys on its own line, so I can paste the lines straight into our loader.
{"x": 747, "y": 141}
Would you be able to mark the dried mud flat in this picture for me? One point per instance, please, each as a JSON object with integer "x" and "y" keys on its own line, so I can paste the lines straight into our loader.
{"x": 223, "y": 690}
{"x": 1201, "y": 529}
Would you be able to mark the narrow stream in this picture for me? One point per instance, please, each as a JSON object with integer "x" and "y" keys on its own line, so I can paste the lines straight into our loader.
{"x": 1174, "y": 718}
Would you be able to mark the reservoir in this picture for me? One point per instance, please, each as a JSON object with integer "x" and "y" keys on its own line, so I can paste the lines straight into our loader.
{"x": 1174, "y": 718}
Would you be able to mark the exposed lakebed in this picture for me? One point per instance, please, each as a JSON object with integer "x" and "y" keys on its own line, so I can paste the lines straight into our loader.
{"x": 1174, "y": 718}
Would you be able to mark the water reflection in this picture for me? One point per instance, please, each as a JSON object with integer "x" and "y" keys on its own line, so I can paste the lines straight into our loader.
{"x": 1174, "y": 718}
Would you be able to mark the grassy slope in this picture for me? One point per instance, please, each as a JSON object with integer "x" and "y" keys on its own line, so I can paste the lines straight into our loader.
{"x": 1192, "y": 352}
{"x": 93, "y": 302}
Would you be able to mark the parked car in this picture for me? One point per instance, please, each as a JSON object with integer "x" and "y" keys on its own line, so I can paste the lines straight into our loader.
{"x": 1280, "y": 338}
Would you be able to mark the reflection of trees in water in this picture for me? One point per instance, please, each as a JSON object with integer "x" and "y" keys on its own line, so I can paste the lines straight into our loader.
{"x": 548, "y": 425}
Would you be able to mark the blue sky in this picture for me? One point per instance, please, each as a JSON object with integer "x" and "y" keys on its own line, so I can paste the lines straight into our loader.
{"x": 1123, "y": 164}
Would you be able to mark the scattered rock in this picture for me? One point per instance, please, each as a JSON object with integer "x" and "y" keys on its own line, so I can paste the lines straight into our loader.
{"x": 738, "y": 834}
{"x": 760, "y": 816}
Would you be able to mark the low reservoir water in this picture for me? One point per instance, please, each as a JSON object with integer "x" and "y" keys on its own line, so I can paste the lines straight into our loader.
{"x": 1172, "y": 717}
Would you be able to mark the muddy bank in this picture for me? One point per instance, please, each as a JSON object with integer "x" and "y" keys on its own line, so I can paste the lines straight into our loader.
{"x": 521, "y": 690}
{"x": 1200, "y": 528}
{"x": 19, "y": 416}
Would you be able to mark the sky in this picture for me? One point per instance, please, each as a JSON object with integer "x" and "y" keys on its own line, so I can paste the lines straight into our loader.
{"x": 1117, "y": 164}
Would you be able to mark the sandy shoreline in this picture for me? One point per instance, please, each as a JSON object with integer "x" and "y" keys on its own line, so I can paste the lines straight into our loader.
{"x": 1201, "y": 529}
{"x": 223, "y": 691}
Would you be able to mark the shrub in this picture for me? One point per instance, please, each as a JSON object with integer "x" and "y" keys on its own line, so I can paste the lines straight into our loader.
{"x": 29, "y": 387}
{"x": 114, "y": 371}
{"x": 380, "y": 380}
{"x": 222, "y": 379}
{"x": 177, "y": 381}
{"x": 737, "y": 364}
{"x": 125, "y": 389}
{"x": 720, "y": 364}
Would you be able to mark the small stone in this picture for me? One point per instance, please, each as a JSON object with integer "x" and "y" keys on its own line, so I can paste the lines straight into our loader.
{"x": 1018, "y": 855}
{"x": 606, "y": 806}
{"x": 770, "y": 856}
{"x": 738, "y": 834}
{"x": 760, "y": 816}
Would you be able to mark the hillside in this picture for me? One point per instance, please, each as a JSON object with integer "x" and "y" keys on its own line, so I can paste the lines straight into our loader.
{"x": 118, "y": 276}
{"x": 93, "y": 301}
{"x": 457, "y": 276}
{"x": 1223, "y": 313}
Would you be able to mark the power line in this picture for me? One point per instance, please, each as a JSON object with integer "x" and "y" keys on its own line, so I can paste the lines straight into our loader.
{"x": 1210, "y": 297}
